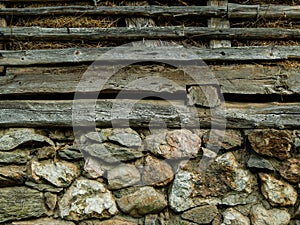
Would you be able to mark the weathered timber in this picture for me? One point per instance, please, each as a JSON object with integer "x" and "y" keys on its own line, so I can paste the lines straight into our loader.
{"x": 218, "y": 23}
{"x": 80, "y": 55}
{"x": 124, "y": 33}
{"x": 233, "y": 11}
{"x": 3, "y": 23}
{"x": 232, "y": 79}
{"x": 264, "y": 11}
{"x": 174, "y": 113}
{"x": 160, "y": 54}
{"x": 147, "y": 11}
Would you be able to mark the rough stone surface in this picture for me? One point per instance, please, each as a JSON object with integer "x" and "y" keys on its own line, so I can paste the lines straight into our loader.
{"x": 204, "y": 95}
{"x": 274, "y": 143}
{"x": 126, "y": 137}
{"x": 46, "y": 152}
{"x": 12, "y": 175}
{"x": 236, "y": 177}
{"x": 43, "y": 187}
{"x": 174, "y": 144}
{"x": 15, "y": 157}
{"x": 43, "y": 221}
{"x": 15, "y": 137}
{"x": 87, "y": 199}
{"x": 21, "y": 203}
{"x": 144, "y": 201}
{"x": 260, "y": 216}
{"x": 290, "y": 170}
{"x": 50, "y": 200}
{"x": 276, "y": 191}
{"x": 60, "y": 174}
{"x": 232, "y": 139}
{"x": 70, "y": 153}
{"x": 201, "y": 215}
{"x": 108, "y": 222}
{"x": 259, "y": 163}
{"x": 156, "y": 172}
{"x": 123, "y": 176}
{"x": 234, "y": 217}
{"x": 192, "y": 187}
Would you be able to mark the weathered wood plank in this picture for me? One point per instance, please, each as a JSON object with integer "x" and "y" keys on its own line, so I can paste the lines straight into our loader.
{"x": 233, "y": 79}
{"x": 146, "y": 11}
{"x": 236, "y": 11}
{"x": 218, "y": 23}
{"x": 161, "y": 54}
{"x": 233, "y": 11}
{"x": 124, "y": 33}
{"x": 3, "y": 23}
{"x": 174, "y": 114}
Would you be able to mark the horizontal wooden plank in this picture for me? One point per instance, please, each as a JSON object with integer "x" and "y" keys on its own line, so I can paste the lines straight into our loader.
{"x": 232, "y": 11}
{"x": 233, "y": 79}
{"x": 149, "y": 11}
{"x": 124, "y": 33}
{"x": 174, "y": 113}
{"x": 238, "y": 11}
{"x": 134, "y": 54}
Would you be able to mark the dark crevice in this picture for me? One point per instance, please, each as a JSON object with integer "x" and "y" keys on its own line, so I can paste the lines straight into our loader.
{"x": 261, "y": 98}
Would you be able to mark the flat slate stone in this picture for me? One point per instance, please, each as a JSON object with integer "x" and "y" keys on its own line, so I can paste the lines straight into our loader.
{"x": 18, "y": 203}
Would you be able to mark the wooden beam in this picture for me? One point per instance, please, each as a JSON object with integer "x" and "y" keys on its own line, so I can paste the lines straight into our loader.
{"x": 174, "y": 113}
{"x": 233, "y": 11}
{"x": 161, "y": 54}
{"x": 124, "y": 33}
{"x": 233, "y": 79}
{"x": 3, "y": 23}
{"x": 218, "y": 23}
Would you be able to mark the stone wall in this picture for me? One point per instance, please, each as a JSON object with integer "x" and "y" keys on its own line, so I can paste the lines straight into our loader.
{"x": 127, "y": 177}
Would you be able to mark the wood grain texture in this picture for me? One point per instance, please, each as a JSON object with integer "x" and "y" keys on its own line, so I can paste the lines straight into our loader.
{"x": 170, "y": 32}
{"x": 174, "y": 113}
{"x": 233, "y": 11}
{"x": 233, "y": 79}
{"x": 218, "y": 23}
{"x": 161, "y": 54}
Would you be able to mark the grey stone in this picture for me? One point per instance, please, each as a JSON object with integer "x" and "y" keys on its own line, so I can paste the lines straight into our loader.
{"x": 123, "y": 154}
{"x": 43, "y": 221}
{"x": 156, "y": 172}
{"x": 95, "y": 168}
{"x": 108, "y": 222}
{"x": 15, "y": 137}
{"x": 18, "y": 203}
{"x": 201, "y": 215}
{"x": 260, "y": 216}
{"x": 270, "y": 142}
{"x": 174, "y": 144}
{"x": 206, "y": 96}
{"x": 144, "y": 201}
{"x": 276, "y": 191}
{"x": 15, "y": 157}
{"x": 70, "y": 153}
{"x": 259, "y": 163}
{"x": 234, "y": 217}
{"x": 123, "y": 176}
{"x": 87, "y": 199}
{"x": 126, "y": 137}
{"x": 43, "y": 187}
{"x": 12, "y": 175}
{"x": 60, "y": 173}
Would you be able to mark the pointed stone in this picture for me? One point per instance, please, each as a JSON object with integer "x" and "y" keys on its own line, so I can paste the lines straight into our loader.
{"x": 201, "y": 215}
